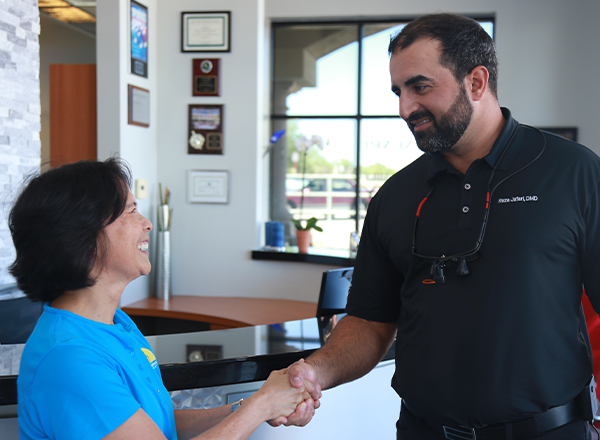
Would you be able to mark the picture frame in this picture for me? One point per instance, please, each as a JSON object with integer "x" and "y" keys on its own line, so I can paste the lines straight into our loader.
{"x": 138, "y": 39}
{"x": 208, "y": 186}
{"x": 206, "y": 31}
{"x": 205, "y": 128}
{"x": 138, "y": 103}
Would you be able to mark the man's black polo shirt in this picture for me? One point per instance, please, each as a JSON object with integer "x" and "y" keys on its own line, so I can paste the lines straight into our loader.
{"x": 506, "y": 340}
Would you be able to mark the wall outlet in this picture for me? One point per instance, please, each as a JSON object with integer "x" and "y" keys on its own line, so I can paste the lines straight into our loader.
{"x": 141, "y": 189}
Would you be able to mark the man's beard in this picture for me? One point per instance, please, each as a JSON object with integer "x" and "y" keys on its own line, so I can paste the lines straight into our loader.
{"x": 452, "y": 125}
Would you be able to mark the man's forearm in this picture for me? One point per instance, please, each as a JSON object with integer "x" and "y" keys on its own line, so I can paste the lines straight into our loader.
{"x": 353, "y": 349}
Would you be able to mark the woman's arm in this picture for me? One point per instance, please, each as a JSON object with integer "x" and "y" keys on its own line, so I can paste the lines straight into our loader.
{"x": 276, "y": 398}
{"x": 190, "y": 422}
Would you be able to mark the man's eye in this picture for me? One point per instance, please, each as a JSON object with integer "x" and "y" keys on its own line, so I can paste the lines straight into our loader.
{"x": 420, "y": 88}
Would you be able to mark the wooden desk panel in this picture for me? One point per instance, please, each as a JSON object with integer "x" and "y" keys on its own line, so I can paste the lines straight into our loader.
{"x": 224, "y": 312}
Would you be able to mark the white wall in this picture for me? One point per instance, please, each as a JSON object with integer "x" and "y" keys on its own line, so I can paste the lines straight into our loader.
{"x": 211, "y": 244}
{"x": 137, "y": 145}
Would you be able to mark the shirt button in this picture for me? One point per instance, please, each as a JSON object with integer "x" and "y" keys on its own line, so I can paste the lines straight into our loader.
{"x": 465, "y": 209}
{"x": 467, "y": 186}
{"x": 132, "y": 354}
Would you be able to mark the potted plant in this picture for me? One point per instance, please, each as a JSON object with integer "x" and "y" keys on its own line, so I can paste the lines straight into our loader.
{"x": 303, "y": 233}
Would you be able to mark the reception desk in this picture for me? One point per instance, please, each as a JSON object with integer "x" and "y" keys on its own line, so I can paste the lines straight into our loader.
{"x": 223, "y": 312}
{"x": 223, "y": 365}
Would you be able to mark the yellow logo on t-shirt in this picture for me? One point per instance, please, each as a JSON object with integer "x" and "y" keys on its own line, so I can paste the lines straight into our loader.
{"x": 149, "y": 355}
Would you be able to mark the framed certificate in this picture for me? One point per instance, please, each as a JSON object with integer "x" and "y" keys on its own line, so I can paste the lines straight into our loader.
{"x": 205, "y": 31}
{"x": 138, "y": 106}
{"x": 207, "y": 186}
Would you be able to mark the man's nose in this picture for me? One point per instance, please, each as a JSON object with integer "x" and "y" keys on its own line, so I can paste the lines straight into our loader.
{"x": 407, "y": 106}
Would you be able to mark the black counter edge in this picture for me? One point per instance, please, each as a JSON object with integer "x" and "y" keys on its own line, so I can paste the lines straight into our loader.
{"x": 186, "y": 376}
{"x": 303, "y": 258}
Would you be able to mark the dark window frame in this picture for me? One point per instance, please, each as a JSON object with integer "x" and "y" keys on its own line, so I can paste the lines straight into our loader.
{"x": 358, "y": 117}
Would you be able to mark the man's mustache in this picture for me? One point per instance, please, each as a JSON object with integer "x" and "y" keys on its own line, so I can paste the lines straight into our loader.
{"x": 412, "y": 119}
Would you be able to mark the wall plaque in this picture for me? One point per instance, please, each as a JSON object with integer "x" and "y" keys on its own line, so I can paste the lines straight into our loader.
{"x": 206, "y": 81}
{"x": 205, "y": 129}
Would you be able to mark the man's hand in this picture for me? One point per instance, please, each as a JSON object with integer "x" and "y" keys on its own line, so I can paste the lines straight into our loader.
{"x": 302, "y": 374}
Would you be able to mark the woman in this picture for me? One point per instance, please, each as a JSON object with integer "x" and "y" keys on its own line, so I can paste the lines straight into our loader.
{"x": 86, "y": 371}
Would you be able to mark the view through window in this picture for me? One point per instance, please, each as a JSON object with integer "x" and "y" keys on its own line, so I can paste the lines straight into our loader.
{"x": 343, "y": 137}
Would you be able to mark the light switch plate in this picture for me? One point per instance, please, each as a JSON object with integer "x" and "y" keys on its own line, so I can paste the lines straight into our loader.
{"x": 141, "y": 189}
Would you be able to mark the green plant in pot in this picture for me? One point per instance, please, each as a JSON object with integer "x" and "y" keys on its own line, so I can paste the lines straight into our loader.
{"x": 303, "y": 233}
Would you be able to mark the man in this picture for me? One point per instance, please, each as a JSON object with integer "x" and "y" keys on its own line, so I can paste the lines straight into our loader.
{"x": 476, "y": 254}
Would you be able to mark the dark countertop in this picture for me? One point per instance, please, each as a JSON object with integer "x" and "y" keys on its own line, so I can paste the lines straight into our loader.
{"x": 230, "y": 356}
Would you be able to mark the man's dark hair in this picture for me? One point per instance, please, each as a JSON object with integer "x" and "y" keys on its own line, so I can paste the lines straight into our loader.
{"x": 57, "y": 225}
{"x": 464, "y": 44}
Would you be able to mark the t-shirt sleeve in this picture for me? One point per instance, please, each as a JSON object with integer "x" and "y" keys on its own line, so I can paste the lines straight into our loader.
{"x": 83, "y": 395}
{"x": 375, "y": 290}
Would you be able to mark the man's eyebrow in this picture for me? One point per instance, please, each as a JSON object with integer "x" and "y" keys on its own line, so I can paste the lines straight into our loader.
{"x": 410, "y": 81}
{"x": 415, "y": 79}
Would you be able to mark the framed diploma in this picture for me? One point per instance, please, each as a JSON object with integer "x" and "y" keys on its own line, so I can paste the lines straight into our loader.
{"x": 138, "y": 104}
{"x": 205, "y": 74}
{"x": 139, "y": 39}
{"x": 207, "y": 186}
{"x": 205, "y": 31}
{"x": 205, "y": 129}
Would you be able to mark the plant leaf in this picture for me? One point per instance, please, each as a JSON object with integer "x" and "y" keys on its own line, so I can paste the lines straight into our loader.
{"x": 311, "y": 222}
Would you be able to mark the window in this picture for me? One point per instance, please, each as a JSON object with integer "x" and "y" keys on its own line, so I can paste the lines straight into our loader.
{"x": 343, "y": 136}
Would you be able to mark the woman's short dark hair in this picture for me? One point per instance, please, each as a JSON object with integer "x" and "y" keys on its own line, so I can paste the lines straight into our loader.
{"x": 57, "y": 225}
{"x": 465, "y": 44}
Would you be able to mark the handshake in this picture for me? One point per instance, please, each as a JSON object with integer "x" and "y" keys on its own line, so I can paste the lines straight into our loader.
{"x": 290, "y": 395}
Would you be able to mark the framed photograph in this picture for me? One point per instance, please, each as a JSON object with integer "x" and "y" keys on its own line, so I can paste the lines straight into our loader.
{"x": 139, "y": 39}
{"x": 566, "y": 132}
{"x": 138, "y": 102}
{"x": 205, "y": 77}
{"x": 206, "y": 31}
{"x": 207, "y": 186}
{"x": 205, "y": 129}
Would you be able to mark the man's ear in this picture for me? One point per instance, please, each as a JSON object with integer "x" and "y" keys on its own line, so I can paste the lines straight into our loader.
{"x": 477, "y": 82}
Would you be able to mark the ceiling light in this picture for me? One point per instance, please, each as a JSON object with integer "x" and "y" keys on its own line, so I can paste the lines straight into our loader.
{"x": 52, "y": 3}
{"x": 69, "y": 14}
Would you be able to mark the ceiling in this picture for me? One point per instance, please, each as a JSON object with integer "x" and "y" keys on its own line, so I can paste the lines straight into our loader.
{"x": 78, "y": 14}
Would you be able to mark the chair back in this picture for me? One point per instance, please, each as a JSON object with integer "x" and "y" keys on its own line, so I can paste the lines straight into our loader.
{"x": 18, "y": 316}
{"x": 334, "y": 291}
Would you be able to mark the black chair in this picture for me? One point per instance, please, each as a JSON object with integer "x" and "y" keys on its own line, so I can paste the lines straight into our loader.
{"x": 332, "y": 299}
{"x": 18, "y": 316}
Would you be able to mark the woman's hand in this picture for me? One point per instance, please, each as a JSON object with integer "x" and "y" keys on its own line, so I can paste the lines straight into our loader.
{"x": 277, "y": 398}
